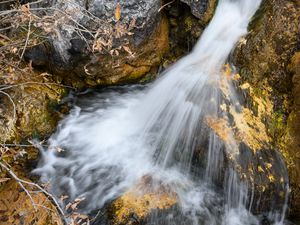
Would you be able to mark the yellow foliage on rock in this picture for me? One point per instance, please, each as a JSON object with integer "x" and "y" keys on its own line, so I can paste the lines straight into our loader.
{"x": 141, "y": 200}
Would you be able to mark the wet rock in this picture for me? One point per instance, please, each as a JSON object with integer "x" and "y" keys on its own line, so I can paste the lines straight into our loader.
{"x": 263, "y": 57}
{"x": 135, "y": 205}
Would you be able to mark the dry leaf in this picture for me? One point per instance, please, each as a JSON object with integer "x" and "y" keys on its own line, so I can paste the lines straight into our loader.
{"x": 2, "y": 180}
{"x": 25, "y": 9}
{"x": 118, "y": 12}
{"x": 127, "y": 49}
{"x": 63, "y": 197}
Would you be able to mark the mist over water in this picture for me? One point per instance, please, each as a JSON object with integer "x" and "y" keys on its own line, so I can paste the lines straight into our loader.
{"x": 113, "y": 139}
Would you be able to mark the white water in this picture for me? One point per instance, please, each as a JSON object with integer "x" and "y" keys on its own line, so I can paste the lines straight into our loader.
{"x": 117, "y": 138}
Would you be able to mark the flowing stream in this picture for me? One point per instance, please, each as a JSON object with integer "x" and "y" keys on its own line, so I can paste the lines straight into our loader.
{"x": 114, "y": 139}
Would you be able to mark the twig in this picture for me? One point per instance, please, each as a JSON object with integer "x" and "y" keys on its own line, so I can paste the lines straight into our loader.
{"x": 3, "y": 2}
{"x": 12, "y": 102}
{"x": 5, "y": 28}
{"x": 27, "y": 39}
{"x": 19, "y": 145}
{"x": 9, "y": 86}
{"x": 163, "y": 6}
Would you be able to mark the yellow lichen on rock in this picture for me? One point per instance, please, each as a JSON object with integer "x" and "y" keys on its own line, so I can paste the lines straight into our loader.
{"x": 141, "y": 200}
{"x": 248, "y": 126}
{"x": 220, "y": 126}
{"x": 250, "y": 129}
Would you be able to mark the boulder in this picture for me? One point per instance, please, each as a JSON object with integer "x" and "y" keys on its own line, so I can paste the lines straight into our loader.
{"x": 29, "y": 105}
{"x": 263, "y": 58}
{"x": 102, "y": 42}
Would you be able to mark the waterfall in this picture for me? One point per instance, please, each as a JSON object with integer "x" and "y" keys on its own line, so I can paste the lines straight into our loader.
{"x": 114, "y": 139}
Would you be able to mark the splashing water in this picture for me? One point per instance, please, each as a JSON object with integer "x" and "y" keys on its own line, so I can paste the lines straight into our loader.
{"x": 116, "y": 138}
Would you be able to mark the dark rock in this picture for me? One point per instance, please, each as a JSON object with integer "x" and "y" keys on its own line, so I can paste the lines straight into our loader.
{"x": 78, "y": 46}
{"x": 202, "y": 9}
{"x": 38, "y": 55}
{"x": 144, "y": 12}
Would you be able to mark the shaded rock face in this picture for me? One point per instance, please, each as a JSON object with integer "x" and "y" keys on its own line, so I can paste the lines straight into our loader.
{"x": 202, "y": 9}
{"x": 105, "y": 69}
{"x": 263, "y": 59}
{"x": 184, "y": 30}
{"x": 146, "y": 14}
{"x": 291, "y": 137}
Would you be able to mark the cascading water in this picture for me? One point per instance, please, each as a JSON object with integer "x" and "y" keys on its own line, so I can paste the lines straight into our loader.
{"x": 115, "y": 139}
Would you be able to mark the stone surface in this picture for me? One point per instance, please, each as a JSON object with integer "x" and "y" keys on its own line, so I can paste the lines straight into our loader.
{"x": 202, "y": 9}
{"x": 103, "y": 42}
{"x": 263, "y": 57}
{"x": 28, "y": 109}
{"x": 144, "y": 12}
{"x": 291, "y": 138}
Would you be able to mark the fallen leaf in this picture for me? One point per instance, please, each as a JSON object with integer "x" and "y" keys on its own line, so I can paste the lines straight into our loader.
{"x": 118, "y": 12}
{"x": 2, "y": 180}
{"x": 127, "y": 49}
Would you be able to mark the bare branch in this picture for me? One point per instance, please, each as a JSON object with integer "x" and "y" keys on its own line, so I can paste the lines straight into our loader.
{"x": 5, "y": 87}
{"x": 12, "y": 102}
{"x": 27, "y": 39}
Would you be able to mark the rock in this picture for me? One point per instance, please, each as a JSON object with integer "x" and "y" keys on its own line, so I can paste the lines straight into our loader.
{"x": 202, "y": 9}
{"x": 263, "y": 57}
{"x": 145, "y": 13}
{"x": 291, "y": 138}
{"x": 103, "y": 42}
{"x": 126, "y": 67}
{"x": 137, "y": 204}
{"x": 17, "y": 208}
{"x": 34, "y": 97}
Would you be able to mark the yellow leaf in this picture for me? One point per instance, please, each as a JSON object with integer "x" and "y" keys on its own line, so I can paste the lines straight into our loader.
{"x": 118, "y": 12}
{"x": 245, "y": 86}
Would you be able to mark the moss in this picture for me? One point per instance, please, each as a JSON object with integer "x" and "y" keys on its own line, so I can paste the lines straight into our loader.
{"x": 277, "y": 125}
{"x": 257, "y": 19}
{"x": 189, "y": 23}
{"x": 134, "y": 73}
